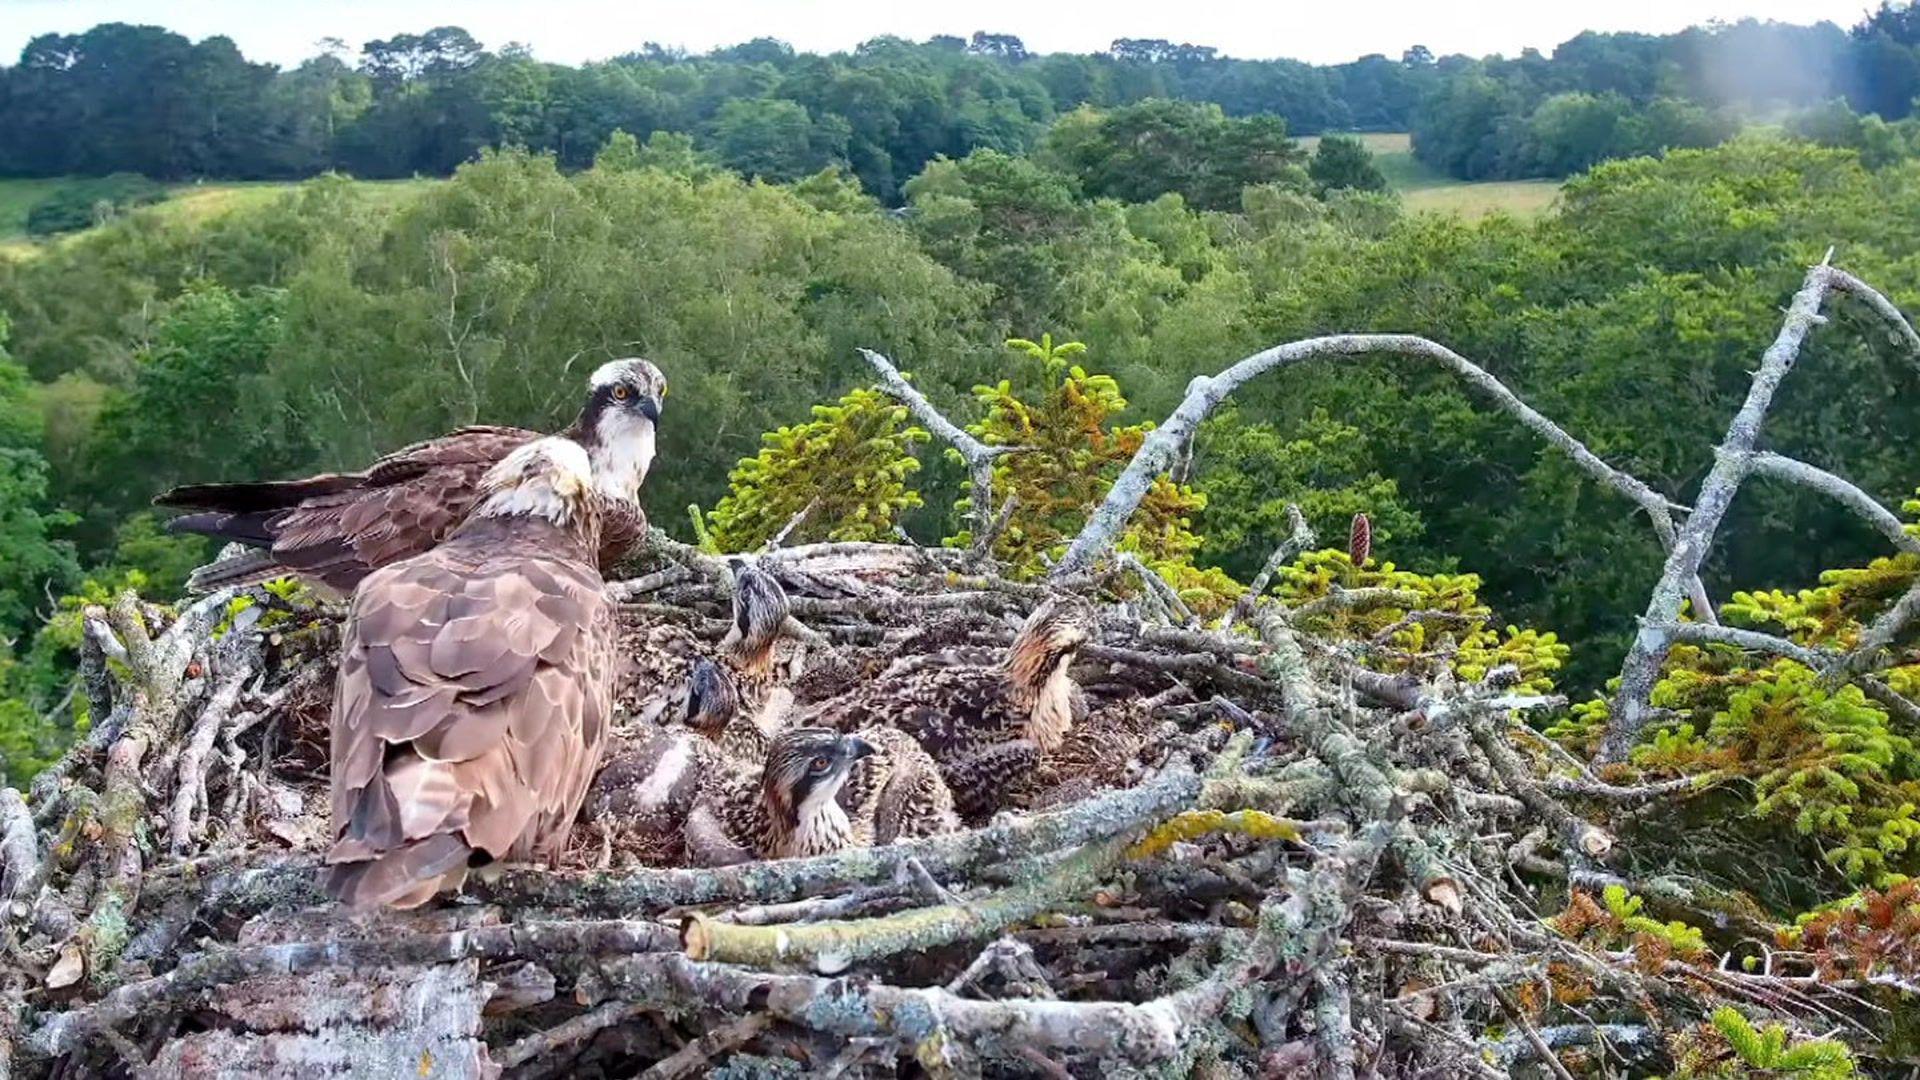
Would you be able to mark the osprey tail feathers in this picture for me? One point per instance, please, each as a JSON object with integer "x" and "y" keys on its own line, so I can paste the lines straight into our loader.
{"x": 237, "y": 572}
{"x": 402, "y": 877}
{"x": 256, "y": 497}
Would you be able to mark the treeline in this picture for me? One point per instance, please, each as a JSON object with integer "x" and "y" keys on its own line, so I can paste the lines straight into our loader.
{"x": 140, "y": 99}
{"x": 1608, "y": 96}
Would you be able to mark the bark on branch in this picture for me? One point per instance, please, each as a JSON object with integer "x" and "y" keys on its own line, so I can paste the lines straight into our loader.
{"x": 1205, "y": 393}
{"x": 1883, "y": 520}
{"x": 1735, "y": 460}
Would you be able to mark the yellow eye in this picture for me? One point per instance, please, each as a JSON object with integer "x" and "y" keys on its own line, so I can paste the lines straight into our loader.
{"x": 621, "y": 393}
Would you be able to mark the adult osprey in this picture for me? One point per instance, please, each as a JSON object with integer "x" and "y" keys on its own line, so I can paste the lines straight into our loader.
{"x": 475, "y": 688}
{"x": 336, "y": 527}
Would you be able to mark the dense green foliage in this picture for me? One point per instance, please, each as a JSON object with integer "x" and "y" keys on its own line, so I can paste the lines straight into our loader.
{"x": 840, "y": 476}
{"x": 325, "y": 327}
{"x": 80, "y": 204}
{"x": 1141, "y": 152}
{"x": 1603, "y": 96}
{"x": 1341, "y": 161}
{"x": 140, "y": 99}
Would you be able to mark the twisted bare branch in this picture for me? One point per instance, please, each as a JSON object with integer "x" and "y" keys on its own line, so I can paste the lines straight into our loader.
{"x": 1735, "y": 460}
{"x": 979, "y": 457}
{"x": 1841, "y": 491}
{"x": 1205, "y": 393}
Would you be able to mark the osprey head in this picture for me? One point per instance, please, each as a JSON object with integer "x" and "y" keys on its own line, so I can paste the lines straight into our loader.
{"x": 1053, "y": 633}
{"x": 712, "y": 698}
{"x": 1037, "y": 663}
{"x": 760, "y": 609}
{"x": 806, "y": 767}
{"x": 618, "y": 423}
{"x": 549, "y": 478}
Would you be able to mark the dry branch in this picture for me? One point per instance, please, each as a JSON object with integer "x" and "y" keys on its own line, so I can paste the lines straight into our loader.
{"x": 1298, "y": 539}
{"x": 1883, "y": 520}
{"x": 1205, "y": 393}
{"x": 1734, "y": 460}
{"x": 978, "y": 456}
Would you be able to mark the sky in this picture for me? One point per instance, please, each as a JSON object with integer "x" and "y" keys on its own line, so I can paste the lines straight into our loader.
{"x": 571, "y": 31}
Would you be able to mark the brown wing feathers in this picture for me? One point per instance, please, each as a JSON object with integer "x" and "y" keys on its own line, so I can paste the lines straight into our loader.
{"x": 470, "y": 713}
{"x": 336, "y": 527}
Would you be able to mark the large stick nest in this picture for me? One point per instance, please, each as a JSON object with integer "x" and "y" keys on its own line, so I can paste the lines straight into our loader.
{"x": 1254, "y": 854}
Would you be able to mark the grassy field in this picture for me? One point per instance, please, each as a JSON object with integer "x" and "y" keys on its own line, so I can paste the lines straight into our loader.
{"x": 195, "y": 202}
{"x": 1420, "y": 188}
{"x": 16, "y": 198}
{"x": 1425, "y": 188}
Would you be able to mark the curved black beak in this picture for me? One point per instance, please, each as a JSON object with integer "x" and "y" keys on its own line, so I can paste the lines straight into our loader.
{"x": 649, "y": 407}
{"x": 858, "y": 748}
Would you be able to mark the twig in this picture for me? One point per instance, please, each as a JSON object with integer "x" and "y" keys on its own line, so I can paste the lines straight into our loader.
{"x": 189, "y": 793}
{"x": 1534, "y": 1039}
{"x": 780, "y": 538}
{"x": 577, "y": 1030}
{"x": 979, "y": 457}
{"x": 1298, "y": 539}
{"x": 1177, "y": 610}
{"x": 698, "y": 1054}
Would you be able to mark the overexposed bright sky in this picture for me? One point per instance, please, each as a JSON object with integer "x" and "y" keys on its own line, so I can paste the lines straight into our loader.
{"x": 570, "y": 31}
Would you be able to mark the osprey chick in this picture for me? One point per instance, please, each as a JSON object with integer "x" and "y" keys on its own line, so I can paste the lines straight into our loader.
{"x": 644, "y": 795}
{"x": 801, "y": 801}
{"x": 986, "y": 725}
{"x": 336, "y": 527}
{"x": 475, "y": 688}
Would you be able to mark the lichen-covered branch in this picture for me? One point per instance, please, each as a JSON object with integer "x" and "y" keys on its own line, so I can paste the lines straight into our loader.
{"x": 1841, "y": 491}
{"x": 924, "y": 1018}
{"x": 1899, "y": 331}
{"x": 19, "y": 850}
{"x": 832, "y": 946}
{"x": 1878, "y": 637}
{"x": 1733, "y": 462}
{"x": 66, "y": 1031}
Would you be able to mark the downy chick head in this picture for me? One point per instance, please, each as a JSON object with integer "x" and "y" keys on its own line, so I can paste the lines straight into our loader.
{"x": 760, "y": 610}
{"x": 712, "y": 698}
{"x": 806, "y": 768}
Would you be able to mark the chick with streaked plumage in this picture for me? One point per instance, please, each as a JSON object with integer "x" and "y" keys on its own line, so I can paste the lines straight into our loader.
{"x": 987, "y": 726}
